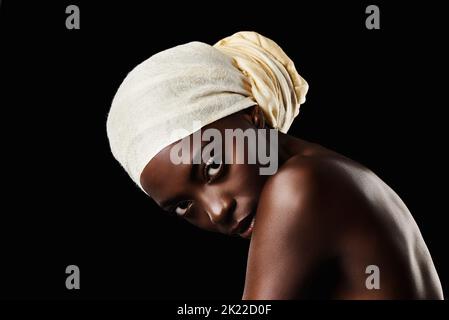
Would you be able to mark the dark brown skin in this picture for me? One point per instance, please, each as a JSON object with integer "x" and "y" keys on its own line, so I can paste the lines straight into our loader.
{"x": 320, "y": 221}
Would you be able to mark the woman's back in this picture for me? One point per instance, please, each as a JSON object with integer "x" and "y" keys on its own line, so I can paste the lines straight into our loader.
{"x": 338, "y": 232}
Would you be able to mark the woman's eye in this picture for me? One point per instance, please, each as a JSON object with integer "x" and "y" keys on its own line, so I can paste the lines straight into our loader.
{"x": 212, "y": 168}
{"x": 183, "y": 207}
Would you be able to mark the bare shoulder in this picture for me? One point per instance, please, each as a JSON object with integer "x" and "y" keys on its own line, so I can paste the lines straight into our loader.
{"x": 297, "y": 227}
{"x": 330, "y": 211}
{"x": 307, "y": 190}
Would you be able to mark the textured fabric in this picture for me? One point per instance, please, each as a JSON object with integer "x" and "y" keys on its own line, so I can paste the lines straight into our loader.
{"x": 275, "y": 84}
{"x": 178, "y": 91}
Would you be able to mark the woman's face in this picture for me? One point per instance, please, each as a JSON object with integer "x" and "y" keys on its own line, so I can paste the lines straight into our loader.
{"x": 211, "y": 195}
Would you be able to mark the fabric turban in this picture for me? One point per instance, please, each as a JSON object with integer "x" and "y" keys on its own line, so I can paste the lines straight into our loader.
{"x": 179, "y": 90}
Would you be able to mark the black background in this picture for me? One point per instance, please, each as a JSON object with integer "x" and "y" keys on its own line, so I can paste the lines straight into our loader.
{"x": 376, "y": 96}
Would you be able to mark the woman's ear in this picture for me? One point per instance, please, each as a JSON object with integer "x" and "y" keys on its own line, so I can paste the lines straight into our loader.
{"x": 256, "y": 116}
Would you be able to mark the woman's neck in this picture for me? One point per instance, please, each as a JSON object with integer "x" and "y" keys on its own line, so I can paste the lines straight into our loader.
{"x": 289, "y": 146}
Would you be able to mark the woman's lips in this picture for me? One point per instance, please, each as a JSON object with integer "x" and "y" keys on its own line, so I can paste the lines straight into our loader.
{"x": 246, "y": 226}
{"x": 249, "y": 230}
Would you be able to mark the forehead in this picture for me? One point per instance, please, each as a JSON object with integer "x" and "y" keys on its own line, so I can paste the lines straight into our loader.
{"x": 161, "y": 176}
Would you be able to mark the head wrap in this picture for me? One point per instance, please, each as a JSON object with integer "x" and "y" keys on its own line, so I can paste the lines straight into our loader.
{"x": 179, "y": 90}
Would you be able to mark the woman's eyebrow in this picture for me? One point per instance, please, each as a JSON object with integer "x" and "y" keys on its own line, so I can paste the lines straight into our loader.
{"x": 198, "y": 156}
{"x": 194, "y": 170}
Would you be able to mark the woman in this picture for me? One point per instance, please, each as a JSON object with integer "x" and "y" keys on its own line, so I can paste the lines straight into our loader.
{"x": 320, "y": 224}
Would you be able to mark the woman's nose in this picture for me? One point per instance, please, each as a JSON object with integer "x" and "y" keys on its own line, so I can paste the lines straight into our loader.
{"x": 220, "y": 208}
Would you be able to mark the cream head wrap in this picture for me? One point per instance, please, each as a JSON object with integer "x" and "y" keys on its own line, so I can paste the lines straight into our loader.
{"x": 187, "y": 87}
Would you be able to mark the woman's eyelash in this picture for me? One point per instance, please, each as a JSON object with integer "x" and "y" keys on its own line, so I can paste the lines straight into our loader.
{"x": 183, "y": 206}
{"x": 209, "y": 172}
